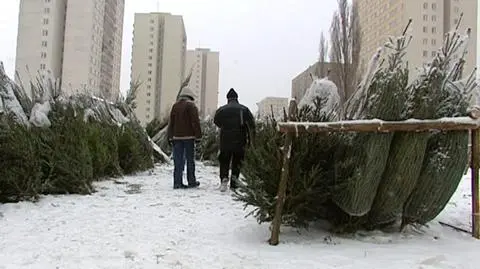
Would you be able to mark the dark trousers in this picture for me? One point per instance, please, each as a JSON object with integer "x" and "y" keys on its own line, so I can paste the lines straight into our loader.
{"x": 183, "y": 149}
{"x": 233, "y": 158}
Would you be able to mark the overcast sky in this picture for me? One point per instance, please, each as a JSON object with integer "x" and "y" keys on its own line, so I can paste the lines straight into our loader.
{"x": 263, "y": 44}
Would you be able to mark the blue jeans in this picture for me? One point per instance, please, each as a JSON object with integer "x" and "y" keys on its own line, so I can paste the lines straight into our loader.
{"x": 183, "y": 149}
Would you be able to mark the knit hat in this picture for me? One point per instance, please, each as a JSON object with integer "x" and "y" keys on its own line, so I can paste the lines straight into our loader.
{"x": 187, "y": 92}
{"x": 232, "y": 94}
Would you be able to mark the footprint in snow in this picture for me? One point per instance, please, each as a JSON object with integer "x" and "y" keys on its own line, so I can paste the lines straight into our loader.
{"x": 437, "y": 262}
{"x": 175, "y": 204}
{"x": 129, "y": 255}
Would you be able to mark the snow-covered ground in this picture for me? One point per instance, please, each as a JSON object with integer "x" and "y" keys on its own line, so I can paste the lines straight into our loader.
{"x": 141, "y": 222}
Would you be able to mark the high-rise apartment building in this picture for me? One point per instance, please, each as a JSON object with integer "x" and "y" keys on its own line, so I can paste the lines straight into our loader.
{"x": 77, "y": 42}
{"x": 158, "y": 63}
{"x": 41, "y": 28}
{"x": 204, "y": 65}
{"x": 431, "y": 20}
{"x": 275, "y": 105}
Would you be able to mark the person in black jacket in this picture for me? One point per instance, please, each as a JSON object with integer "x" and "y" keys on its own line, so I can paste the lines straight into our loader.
{"x": 237, "y": 128}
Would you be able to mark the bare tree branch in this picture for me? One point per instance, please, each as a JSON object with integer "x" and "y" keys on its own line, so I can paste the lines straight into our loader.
{"x": 345, "y": 47}
{"x": 320, "y": 71}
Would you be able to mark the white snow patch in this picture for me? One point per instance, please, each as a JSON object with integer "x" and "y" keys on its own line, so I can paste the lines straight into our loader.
{"x": 325, "y": 89}
{"x": 89, "y": 113}
{"x": 39, "y": 114}
{"x": 118, "y": 116}
{"x": 202, "y": 228}
{"x": 10, "y": 101}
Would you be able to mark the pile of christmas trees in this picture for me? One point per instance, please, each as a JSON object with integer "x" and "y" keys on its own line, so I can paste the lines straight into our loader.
{"x": 50, "y": 144}
{"x": 370, "y": 180}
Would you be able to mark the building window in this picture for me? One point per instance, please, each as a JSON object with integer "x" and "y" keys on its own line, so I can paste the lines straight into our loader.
{"x": 425, "y": 29}
{"x": 425, "y": 17}
{"x": 149, "y": 79}
{"x": 47, "y": 10}
{"x": 42, "y": 66}
{"x": 45, "y": 21}
{"x": 434, "y": 30}
{"x": 44, "y": 43}
{"x": 43, "y": 55}
{"x": 456, "y": 9}
{"x": 147, "y": 116}
{"x": 148, "y": 101}
{"x": 149, "y": 64}
{"x": 149, "y": 87}
{"x": 434, "y": 53}
{"x": 434, "y": 42}
{"x": 148, "y": 94}
{"x": 151, "y": 50}
{"x": 425, "y": 5}
{"x": 47, "y": 1}
{"x": 152, "y": 21}
{"x": 425, "y": 53}
{"x": 150, "y": 72}
{"x": 45, "y": 32}
{"x": 434, "y": 6}
{"x": 425, "y": 41}
{"x": 434, "y": 18}
{"x": 151, "y": 35}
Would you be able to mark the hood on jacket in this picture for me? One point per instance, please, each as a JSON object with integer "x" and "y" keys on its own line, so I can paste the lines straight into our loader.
{"x": 187, "y": 93}
{"x": 232, "y": 94}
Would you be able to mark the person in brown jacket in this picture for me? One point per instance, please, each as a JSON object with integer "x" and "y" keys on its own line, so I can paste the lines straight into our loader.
{"x": 183, "y": 131}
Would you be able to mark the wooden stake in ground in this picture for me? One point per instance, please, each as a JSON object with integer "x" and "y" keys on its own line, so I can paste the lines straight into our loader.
{"x": 475, "y": 183}
{"x": 282, "y": 186}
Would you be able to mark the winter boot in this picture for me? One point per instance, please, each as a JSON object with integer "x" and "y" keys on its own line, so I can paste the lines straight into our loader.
{"x": 224, "y": 185}
{"x": 182, "y": 186}
{"x": 196, "y": 184}
{"x": 233, "y": 183}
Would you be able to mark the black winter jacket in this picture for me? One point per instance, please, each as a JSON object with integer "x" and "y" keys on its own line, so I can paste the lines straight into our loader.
{"x": 237, "y": 126}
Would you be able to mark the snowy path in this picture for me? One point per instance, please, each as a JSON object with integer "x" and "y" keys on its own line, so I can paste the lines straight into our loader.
{"x": 149, "y": 225}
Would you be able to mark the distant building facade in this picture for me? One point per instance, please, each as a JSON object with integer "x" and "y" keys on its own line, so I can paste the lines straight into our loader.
{"x": 77, "y": 43}
{"x": 431, "y": 20}
{"x": 275, "y": 105}
{"x": 204, "y": 65}
{"x": 158, "y": 63}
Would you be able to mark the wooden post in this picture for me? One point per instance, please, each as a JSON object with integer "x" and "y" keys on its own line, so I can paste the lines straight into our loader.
{"x": 282, "y": 186}
{"x": 475, "y": 161}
